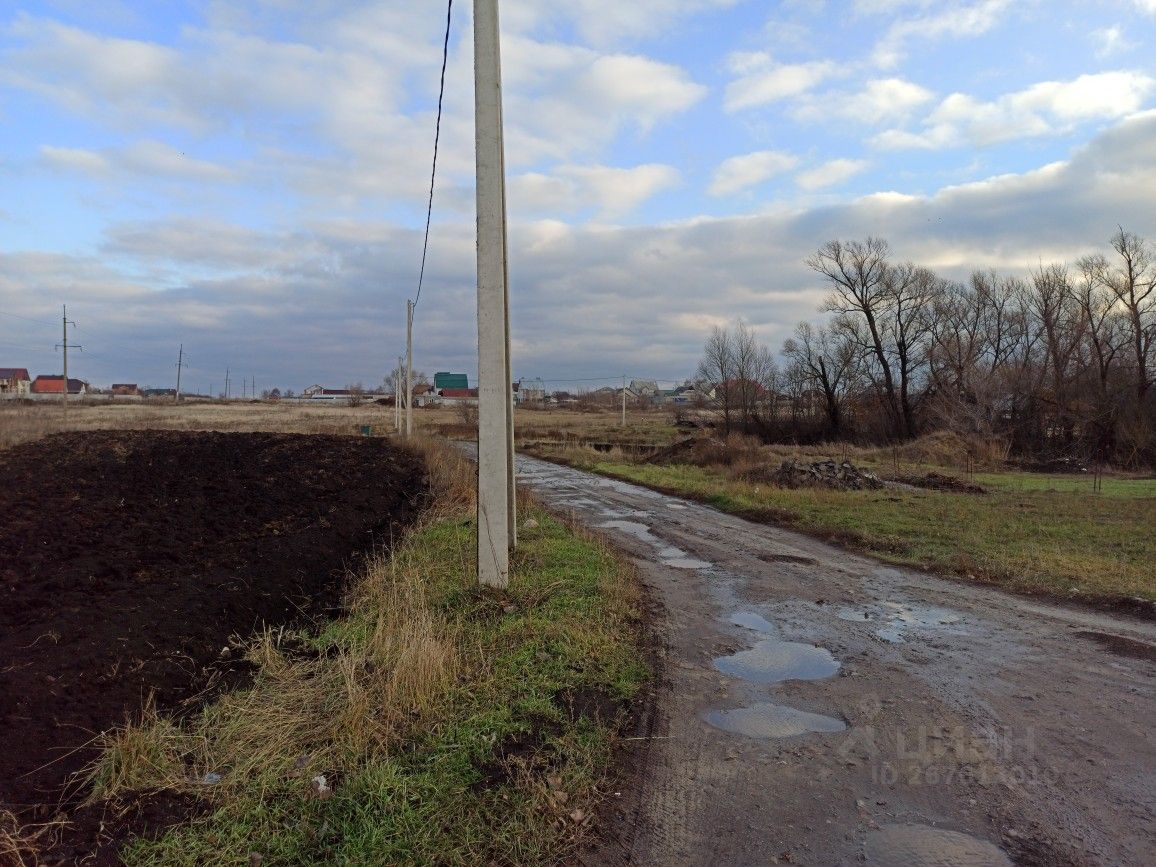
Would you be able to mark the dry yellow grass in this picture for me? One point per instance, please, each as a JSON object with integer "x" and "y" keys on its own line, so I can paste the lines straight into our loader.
{"x": 21, "y": 422}
{"x": 317, "y": 704}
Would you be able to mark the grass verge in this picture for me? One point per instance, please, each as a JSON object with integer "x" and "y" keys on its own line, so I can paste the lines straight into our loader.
{"x": 450, "y": 725}
{"x": 1024, "y": 534}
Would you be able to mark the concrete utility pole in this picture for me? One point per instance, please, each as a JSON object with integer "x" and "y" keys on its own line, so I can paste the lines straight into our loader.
{"x": 497, "y": 518}
{"x": 624, "y": 401}
{"x": 64, "y": 347}
{"x": 180, "y": 364}
{"x": 409, "y": 368}
{"x": 226, "y": 383}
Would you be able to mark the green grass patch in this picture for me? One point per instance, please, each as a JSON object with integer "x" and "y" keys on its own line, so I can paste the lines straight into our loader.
{"x": 1029, "y": 533}
{"x": 500, "y": 762}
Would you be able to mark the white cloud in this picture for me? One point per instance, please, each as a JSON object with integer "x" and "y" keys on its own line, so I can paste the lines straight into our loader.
{"x": 1047, "y": 108}
{"x": 604, "y": 22}
{"x": 613, "y": 192}
{"x": 955, "y": 21}
{"x": 1110, "y": 41}
{"x": 762, "y": 80}
{"x": 564, "y": 101}
{"x": 147, "y": 157}
{"x": 741, "y": 172}
{"x": 830, "y": 173}
{"x": 885, "y": 100}
{"x": 1148, "y": 6}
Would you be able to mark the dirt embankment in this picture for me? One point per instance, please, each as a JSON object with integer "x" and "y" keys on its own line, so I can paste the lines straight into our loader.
{"x": 128, "y": 559}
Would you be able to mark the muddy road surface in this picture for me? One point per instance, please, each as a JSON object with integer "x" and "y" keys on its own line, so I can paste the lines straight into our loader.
{"x": 817, "y": 707}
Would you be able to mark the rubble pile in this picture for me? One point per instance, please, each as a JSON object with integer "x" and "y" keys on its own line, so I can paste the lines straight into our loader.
{"x": 824, "y": 474}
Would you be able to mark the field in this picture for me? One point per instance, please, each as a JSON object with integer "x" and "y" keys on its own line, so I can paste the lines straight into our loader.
{"x": 218, "y": 644}
{"x": 1048, "y": 534}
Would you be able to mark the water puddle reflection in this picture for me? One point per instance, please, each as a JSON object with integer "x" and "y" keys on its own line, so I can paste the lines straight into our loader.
{"x": 773, "y": 661}
{"x": 750, "y": 620}
{"x": 931, "y": 847}
{"x": 668, "y": 554}
{"x": 897, "y": 618}
{"x": 766, "y": 720}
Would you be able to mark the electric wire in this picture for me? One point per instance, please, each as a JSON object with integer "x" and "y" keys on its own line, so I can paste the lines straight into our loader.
{"x": 437, "y": 140}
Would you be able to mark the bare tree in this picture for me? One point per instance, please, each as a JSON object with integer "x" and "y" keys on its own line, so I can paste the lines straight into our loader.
{"x": 356, "y": 393}
{"x": 718, "y": 367}
{"x": 1133, "y": 282}
{"x": 823, "y": 361}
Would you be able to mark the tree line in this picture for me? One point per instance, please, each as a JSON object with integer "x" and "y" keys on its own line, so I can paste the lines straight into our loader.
{"x": 1059, "y": 363}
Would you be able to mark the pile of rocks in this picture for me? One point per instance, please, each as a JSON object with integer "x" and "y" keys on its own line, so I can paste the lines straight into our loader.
{"x": 824, "y": 474}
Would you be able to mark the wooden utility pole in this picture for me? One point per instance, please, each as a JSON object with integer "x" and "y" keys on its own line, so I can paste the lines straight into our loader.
{"x": 496, "y": 506}
{"x": 624, "y": 401}
{"x": 226, "y": 383}
{"x": 180, "y": 364}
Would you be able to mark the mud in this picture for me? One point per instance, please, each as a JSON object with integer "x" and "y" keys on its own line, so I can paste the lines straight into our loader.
{"x": 134, "y": 560}
{"x": 931, "y": 847}
{"x": 766, "y": 720}
{"x": 995, "y": 718}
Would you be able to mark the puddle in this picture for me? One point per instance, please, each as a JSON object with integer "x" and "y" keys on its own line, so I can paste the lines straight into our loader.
{"x": 773, "y": 661}
{"x": 788, "y": 558}
{"x": 675, "y": 506}
{"x": 898, "y": 617}
{"x": 931, "y": 847}
{"x": 750, "y": 620}
{"x": 635, "y": 529}
{"x": 767, "y": 720}
{"x": 892, "y": 634}
{"x": 687, "y": 563}
{"x": 668, "y": 554}
{"x": 921, "y": 615}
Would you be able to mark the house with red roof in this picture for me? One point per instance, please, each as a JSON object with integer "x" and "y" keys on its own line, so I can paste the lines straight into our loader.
{"x": 50, "y": 384}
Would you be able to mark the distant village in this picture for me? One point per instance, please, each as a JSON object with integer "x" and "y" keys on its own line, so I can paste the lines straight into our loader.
{"x": 447, "y": 389}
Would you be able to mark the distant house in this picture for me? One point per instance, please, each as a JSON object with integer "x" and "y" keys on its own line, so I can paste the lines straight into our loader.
{"x": 424, "y": 395}
{"x": 15, "y": 380}
{"x": 531, "y": 391}
{"x": 444, "y": 380}
{"x": 55, "y": 385}
{"x": 458, "y": 396}
{"x": 125, "y": 389}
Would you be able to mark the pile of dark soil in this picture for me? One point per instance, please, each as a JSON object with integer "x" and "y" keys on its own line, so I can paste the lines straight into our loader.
{"x": 685, "y": 451}
{"x": 939, "y": 482}
{"x": 823, "y": 474}
{"x": 131, "y": 558}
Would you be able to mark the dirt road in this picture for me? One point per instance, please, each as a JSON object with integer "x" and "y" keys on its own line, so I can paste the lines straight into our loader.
{"x": 816, "y": 707}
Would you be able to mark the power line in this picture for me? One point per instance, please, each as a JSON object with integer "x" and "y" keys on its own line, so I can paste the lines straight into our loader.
{"x": 437, "y": 139}
{"x": 27, "y": 318}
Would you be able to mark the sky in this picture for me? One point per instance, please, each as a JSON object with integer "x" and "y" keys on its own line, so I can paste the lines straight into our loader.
{"x": 249, "y": 178}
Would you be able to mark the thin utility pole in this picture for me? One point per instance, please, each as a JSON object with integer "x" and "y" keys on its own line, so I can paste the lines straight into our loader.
{"x": 409, "y": 368}
{"x": 397, "y": 397}
{"x": 496, "y": 516}
{"x": 624, "y": 401}
{"x": 64, "y": 346}
{"x": 226, "y": 383}
{"x": 253, "y": 391}
{"x": 180, "y": 364}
